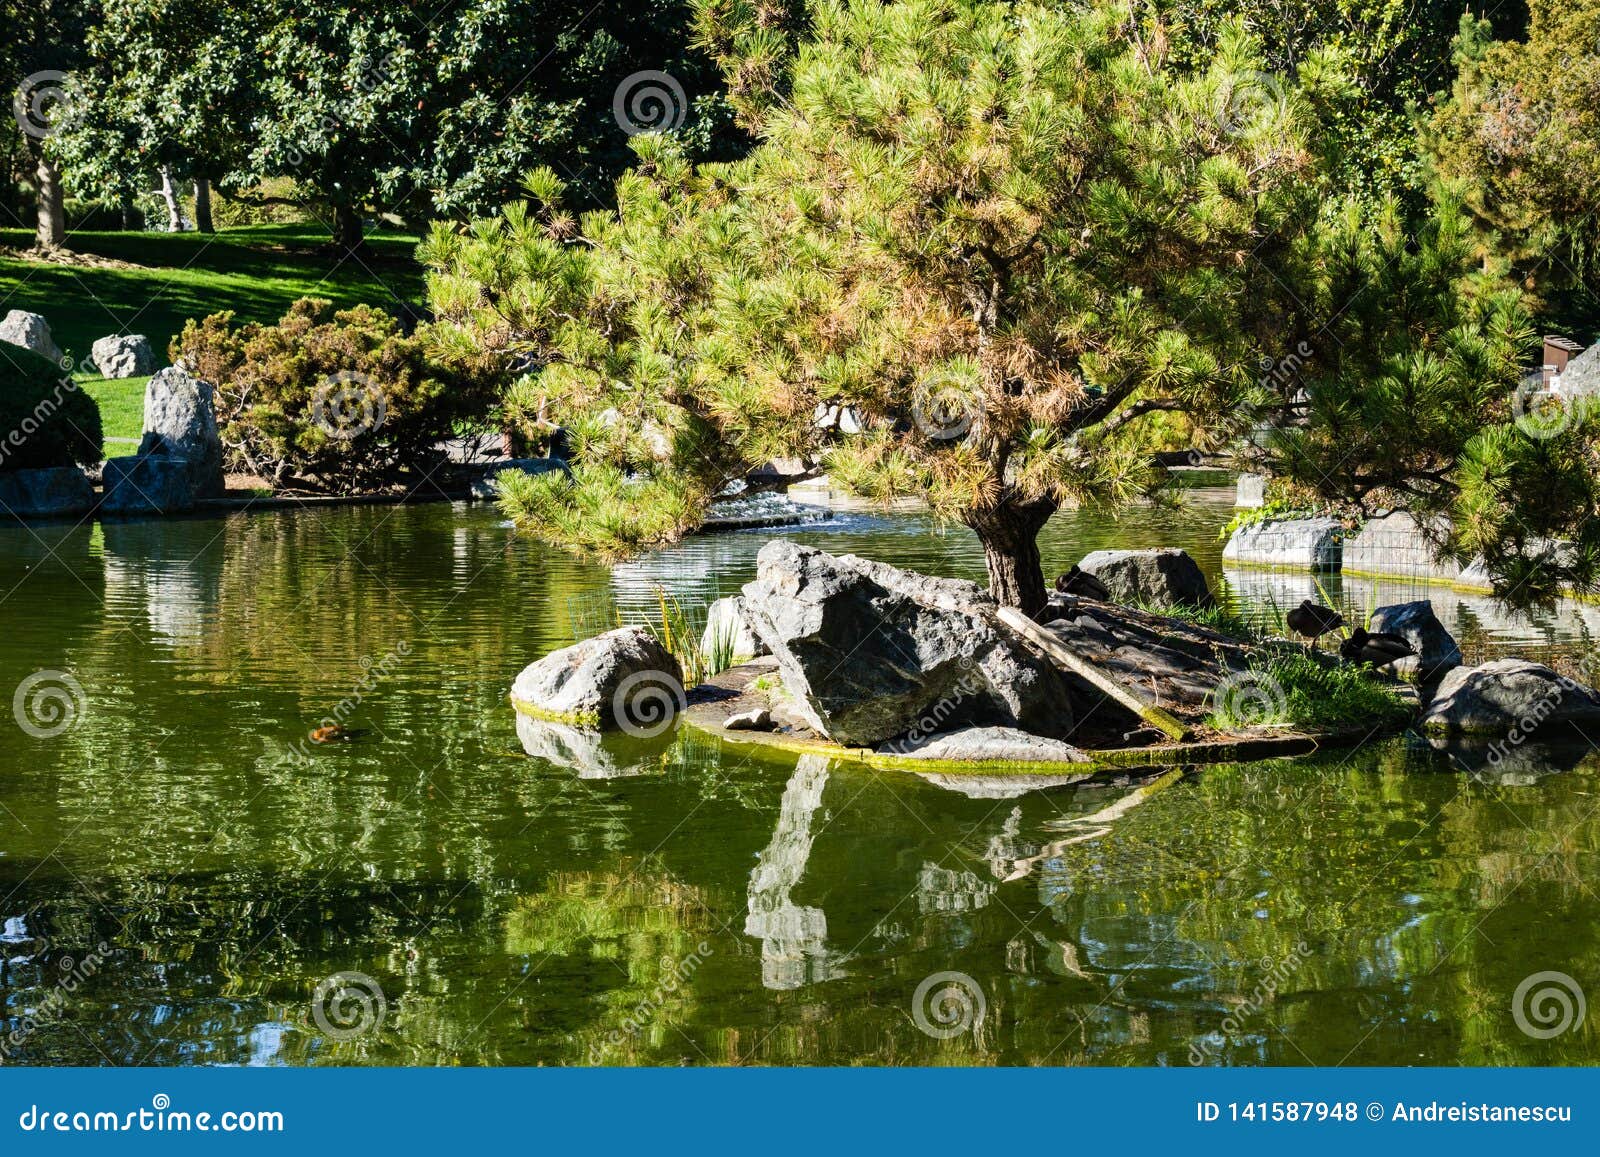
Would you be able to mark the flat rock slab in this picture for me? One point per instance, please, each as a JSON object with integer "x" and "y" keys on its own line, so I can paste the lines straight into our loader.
{"x": 1302, "y": 543}
{"x": 986, "y": 745}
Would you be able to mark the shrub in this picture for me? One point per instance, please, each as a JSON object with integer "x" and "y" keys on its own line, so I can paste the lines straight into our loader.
{"x": 339, "y": 400}
{"x": 45, "y": 420}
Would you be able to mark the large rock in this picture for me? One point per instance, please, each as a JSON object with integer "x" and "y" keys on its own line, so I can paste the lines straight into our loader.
{"x": 1514, "y": 699}
{"x": 1303, "y": 543}
{"x": 872, "y": 653}
{"x": 623, "y": 679}
{"x": 180, "y": 419}
{"x": 1436, "y": 651}
{"x": 728, "y": 629}
{"x": 148, "y": 484}
{"x": 1159, "y": 579}
{"x": 53, "y": 492}
{"x": 123, "y": 356}
{"x": 996, "y": 745}
{"x": 30, "y": 331}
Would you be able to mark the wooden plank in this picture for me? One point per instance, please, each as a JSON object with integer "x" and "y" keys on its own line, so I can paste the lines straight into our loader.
{"x": 1059, "y": 652}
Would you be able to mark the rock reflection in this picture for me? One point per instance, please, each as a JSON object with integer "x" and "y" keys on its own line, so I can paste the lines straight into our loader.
{"x": 591, "y": 754}
{"x": 794, "y": 940}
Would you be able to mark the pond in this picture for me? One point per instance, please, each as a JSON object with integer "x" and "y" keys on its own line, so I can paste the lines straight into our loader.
{"x": 176, "y": 882}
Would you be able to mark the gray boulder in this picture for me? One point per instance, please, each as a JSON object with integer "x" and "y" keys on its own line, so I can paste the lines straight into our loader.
{"x": 1515, "y": 699}
{"x": 123, "y": 356}
{"x": 30, "y": 331}
{"x": 872, "y": 653}
{"x": 728, "y": 627}
{"x": 52, "y": 492}
{"x": 483, "y": 486}
{"x": 987, "y": 745}
{"x": 623, "y": 679}
{"x": 180, "y": 419}
{"x": 1162, "y": 578}
{"x": 1436, "y": 650}
{"x": 148, "y": 484}
{"x": 1250, "y": 491}
{"x": 756, "y": 719}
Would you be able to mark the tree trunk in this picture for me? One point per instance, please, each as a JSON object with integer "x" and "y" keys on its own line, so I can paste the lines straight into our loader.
{"x": 202, "y": 205}
{"x": 132, "y": 219}
{"x": 52, "y": 231}
{"x": 347, "y": 231}
{"x": 169, "y": 194}
{"x": 1009, "y": 532}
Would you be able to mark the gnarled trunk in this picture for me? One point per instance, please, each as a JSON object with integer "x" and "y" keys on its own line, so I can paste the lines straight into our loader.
{"x": 1009, "y": 532}
{"x": 52, "y": 231}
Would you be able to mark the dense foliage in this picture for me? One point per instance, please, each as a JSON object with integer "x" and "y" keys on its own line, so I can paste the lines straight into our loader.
{"x": 333, "y": 399}
{"x": 999, "y": 234}
{"x": 44, "y": 419}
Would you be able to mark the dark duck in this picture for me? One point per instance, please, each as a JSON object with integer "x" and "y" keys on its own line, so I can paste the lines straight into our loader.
{"x": 1083, "y": 584}
{"x": 333, "y": 733}
{"x": 1376, "y": 648}
{"x": 1312, "y": 621}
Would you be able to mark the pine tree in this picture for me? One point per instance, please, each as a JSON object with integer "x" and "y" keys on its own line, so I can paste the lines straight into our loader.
{"x": 1002, "y": 236}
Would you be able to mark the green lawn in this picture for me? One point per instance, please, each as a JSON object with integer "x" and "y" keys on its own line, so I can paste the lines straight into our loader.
{"x": 256, "y": 271}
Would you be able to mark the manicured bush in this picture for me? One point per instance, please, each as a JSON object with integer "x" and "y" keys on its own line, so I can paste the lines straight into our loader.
{"x": 45, "y": 420}
{"x": 333, "y": 400}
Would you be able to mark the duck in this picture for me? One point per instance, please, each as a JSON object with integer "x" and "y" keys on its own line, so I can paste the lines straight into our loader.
{"x": 1313, "y": 621}
{"x": 333, "y": 733}
{"x": 1375, "y": 647}
{"x": 1083, "y": 584}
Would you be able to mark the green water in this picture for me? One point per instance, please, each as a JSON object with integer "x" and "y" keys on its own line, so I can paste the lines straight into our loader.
{"x": 671, "y": 902}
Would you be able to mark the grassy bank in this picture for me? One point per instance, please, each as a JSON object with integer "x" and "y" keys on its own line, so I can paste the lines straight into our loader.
{"x": 151, "y": 283}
